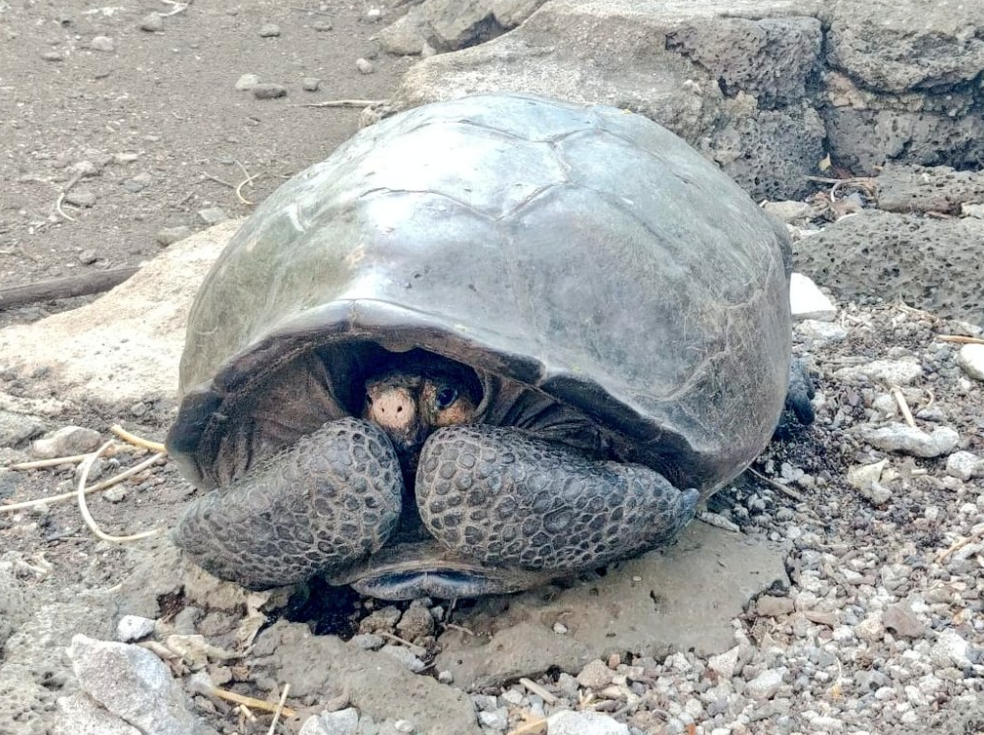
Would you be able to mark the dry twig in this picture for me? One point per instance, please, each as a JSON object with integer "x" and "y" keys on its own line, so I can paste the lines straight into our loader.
{"x": 960, "y": 339}
{"x": 538, "y": 690}
{"x": 136, "y": 440}
{"x": 280, "y": 708}
{"x": 343, "y": 103}
{"x": 775, "y": 485}
{"x": 84, "y": 508}
{"x": 903, "y": 406}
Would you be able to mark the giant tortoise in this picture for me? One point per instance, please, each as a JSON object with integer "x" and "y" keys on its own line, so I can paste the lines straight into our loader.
{"x": 488, "y": 342}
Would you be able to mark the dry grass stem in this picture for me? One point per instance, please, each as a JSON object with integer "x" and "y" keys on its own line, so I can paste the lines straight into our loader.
{"x": 217, "y": 180}
{"x": 136, "y": 440}
{"x": 84, "y": 507}
{"x": 775, "y": 485}
{"x": 38, "y": 464}
{"x": 280, "y": 708}
{"x": 114, "y": 480}
{"x": 903, "y": 406}
{"x": 974, "y": 537}
{"x": 247, "y": 701}
{"x": 538, "y": 690}
{"x": 960, "y": 339}
{"x": 530, "y": 728}
{"x": 239, "y": 188}
{"x": 344, "y": 103}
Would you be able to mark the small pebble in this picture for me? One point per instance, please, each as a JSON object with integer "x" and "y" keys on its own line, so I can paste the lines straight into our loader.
{"x": 81, "y": 198}
{"x": 365, "y": 66}
{"x": 212, "y": 215}
{"x": 103, "y": 43}
{"x": 88, "y": 257}
{"x": 138, "y": 183}
{"x": 321, "y": 26}
{"x": 152, "y": 23}
{"x": 584, "y": 723}
{"x": 404, "y": 656}
{"x": 247, "y": 82}
{"x": 66, "y": 442}
{"x": 971, "y": 359}
{"x": 310, "y": 84}
{"x": 269, "y": 91}
{"x": 269, "y": 30}
{"x": 367, "y": 641}
{"x": 115, "y": 494}
{"x": 170, "y": 235}
{"x": 53, "y": 56}
{"x": 133, "y": 628}
{"x": 373, "y": 15}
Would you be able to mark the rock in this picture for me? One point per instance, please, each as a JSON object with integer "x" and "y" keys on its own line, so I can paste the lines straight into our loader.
{"x": 376, "y": 687}
{"x": 927, "y": 263}
{"x": 864, "y": 476}
{"x": 81, "y": 198}
{"x": 138, "y": 183}
{"x": 150, "y": 308}
{"x": 310, "y": 84}
{"x": 364, "y": 66}
{"x": 65, "y": 442}
{"x": 584, "y": 723}
{"x": 789, "y": 211}
{"x": 766, "y": 684}
{"x": 950, "y": 649}
{"x": 901, "y": 619}
{"x": 405, "y": 656}
{"x": 152, "y": 23}
{"x": 79, "y": 714}
{"x": 269, "y": 30}
{"x": 725, "y": 665}
{"x": 321, "y": 26}
{"x": 88, "y": 257}
{"x": 16, "y": 428}
{"x": 682, "y": 598}
{"x": 927, "y": 189}
{"x": 341, "y": 722}
{"x": 405, "y": 37}
{"x": 212, "y": 215}
{"x": 907, "y": 440}
{"x": 892, "y": 94}
{"x": 806, "y": 301}
{"x": 888, "y": 372}
{"x": 972, "y": 210}
{"x": 133, "y": 684}
{"x": 133, "y": 628}
{"x": 269, "y": 91}
{"x": 964, "y": 465}
{"x": 384, "y": 619}
{"x": 416, "y": 622}
{"x": 170, "y": 235}
{"x": 247, "y": 82}
{"x": 772, "y": 606}
{"x": 871, "y": 629}
{"x": 821, "y": 332}
{"x": 971, "y": 359}
{"x": 525, "y": 649}
{"x": 694, "y": 67}
{"x": 103, "y": 43}
{"x": 596, "y": 675}
{"x": 367, "y": 641}
{"x": 496, "y": 720}
{"x": 115, "y": 494}
{"x": 53, "y": 56}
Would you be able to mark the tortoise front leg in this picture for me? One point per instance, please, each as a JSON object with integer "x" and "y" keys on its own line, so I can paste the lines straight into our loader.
{"x": 332, "y": 498}
{"x": 503, "y": 497}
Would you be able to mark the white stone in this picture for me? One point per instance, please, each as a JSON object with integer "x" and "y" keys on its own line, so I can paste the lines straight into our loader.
{"x": 133, "y": 628}
{"x": 246, "y": 82}
{"x": 971, "y": 359}
{"x": 907, "y": 440}
{"x": 595, "y": 675}
{"x": 724, "y": 664}
{"x": 766, "y": 684}
{"x": 866, "y": 475}
{"x": 788, "y": 211}
{"x": 807, "y": 301}
{"x": 584, "y": 723}
{"x": 79, "y": 714}
{"x": 964, "y": 465}
{"x": 888, "y": 372}
{"x": 66, "y": 441}
{"x": 950, "y": 650}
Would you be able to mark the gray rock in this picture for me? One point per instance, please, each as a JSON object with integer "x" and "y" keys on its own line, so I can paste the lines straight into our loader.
{"x": 584, "y": 723}
{"x": 341, "y": 722}
{"x": 103, "y": 43}
{"x": 133, "y": 628}
{"x": 367, "y": 641}
{"x": 681, "y": 598}
{"x": 496, "y": 720}
{"x": 888, "y": 372}
{"x": 789, "y": 211}
{"x": 152, "y": 23}
{"x": 524, "y": 649}
{"x": 766, "y": 684}
{"x": 269, "y": 30}
{"x": 972, "y": 210}
{"x": 212, "y": 215}
{"x": 133, "y": 684}
{"x": 902, "y": 620}
{"x": 247, "y": 82}
{"x": 88, "y": 257}
{"x": 53, "y": 56}
{"x": 927, "y": 189}
{"x": 733, "y": 86}
{"x": 405, "y": 656}
{"x": 16, "y": 428}
{"x": 364, "y": 66}
{"x": 269, "y": 91}
{"x": 416, "y": 622}
{"x": 376, "y": 687}
{"x": 115, "y": 494}
{"x": 726, "y": 664}
{"x": 81, "y": 198}
{"x": 821, "y": 332}
{"x": 772, "y": 606}
{"x": 927, "y": 263}
{"x": 971, "y": 359}
{"x": 907, "y": 440}
{"x": 950, "y": 649}
{"x": 65, "y": 442}
{"x": 169, "y": 235}
{"x": 137, "y": 183}
{"x": 595, "y": 675}
{"x": 79, "y": 714}
{"x": 310, "y": 84}
{"x": 964, "y": 465}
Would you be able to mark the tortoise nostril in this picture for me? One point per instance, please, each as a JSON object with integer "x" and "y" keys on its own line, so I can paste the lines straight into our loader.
{"x": 399, "y": 409}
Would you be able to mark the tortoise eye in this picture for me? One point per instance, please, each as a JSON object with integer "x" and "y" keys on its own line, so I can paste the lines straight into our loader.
{"x": 445, "y": 397}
